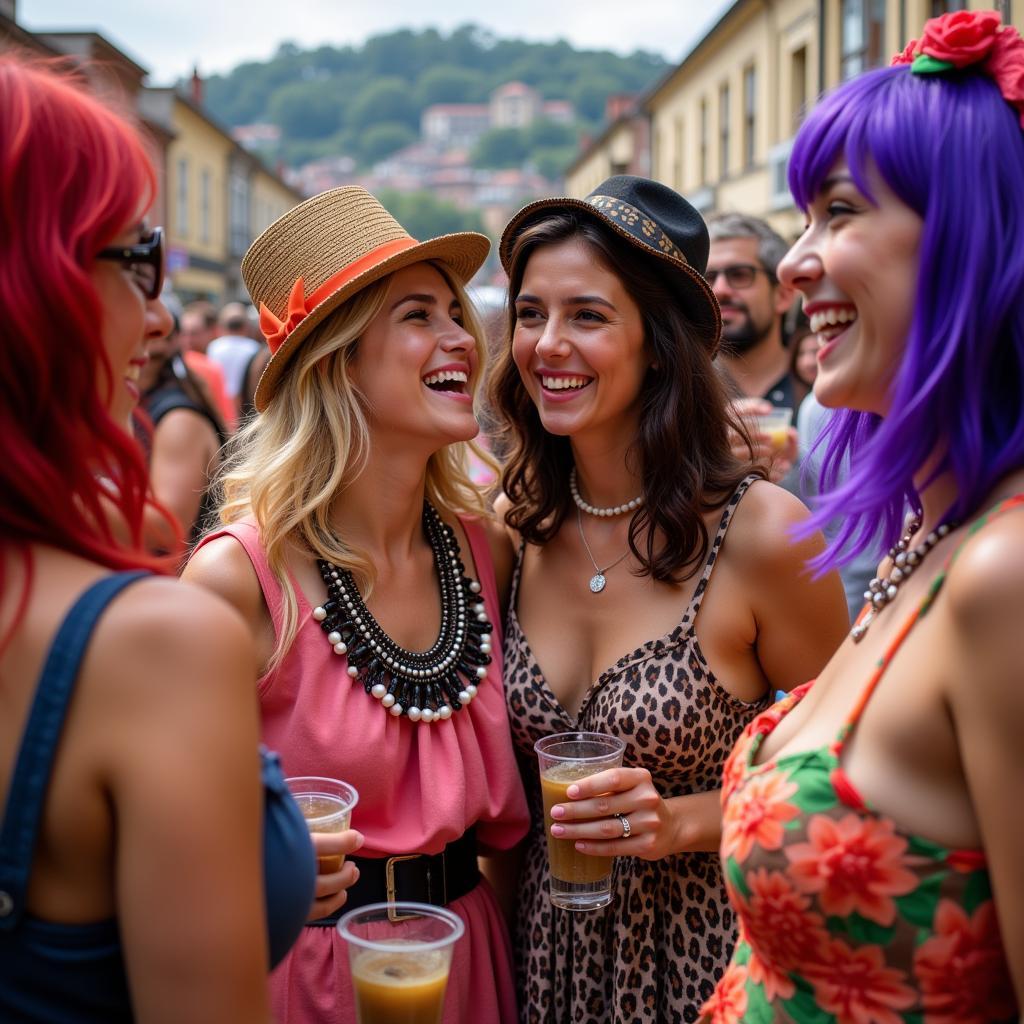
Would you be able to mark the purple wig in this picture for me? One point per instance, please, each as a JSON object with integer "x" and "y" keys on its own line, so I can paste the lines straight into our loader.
{"x": 952, "y": 150}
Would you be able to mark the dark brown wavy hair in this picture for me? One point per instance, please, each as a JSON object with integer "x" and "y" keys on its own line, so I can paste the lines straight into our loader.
{"x": 681, "y": 451}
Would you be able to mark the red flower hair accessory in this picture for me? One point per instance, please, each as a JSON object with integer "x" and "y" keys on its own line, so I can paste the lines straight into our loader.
{"x": 971, "y": 38}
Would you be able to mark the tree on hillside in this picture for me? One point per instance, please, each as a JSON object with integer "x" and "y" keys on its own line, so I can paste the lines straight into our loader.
{"x": 334, "y": 95}
{"x": 423, "y": 215}
{"x": 305, "y": 110}
{"x": 450, "y": 84}
{"x": 405, "y": 53}
{"x": 501, "y": 147}
{"x": 550, "y": 133}
{"x": 590, "y": 93}
{"x": 384, "y": 139}
{"x": 383, "y": 100}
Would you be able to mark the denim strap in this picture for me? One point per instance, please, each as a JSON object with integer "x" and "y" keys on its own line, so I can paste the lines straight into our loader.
{"x": 39, "y": 742}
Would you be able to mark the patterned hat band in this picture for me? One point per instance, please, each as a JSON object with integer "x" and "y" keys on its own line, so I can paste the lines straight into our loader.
{"x": 640, "y": 226}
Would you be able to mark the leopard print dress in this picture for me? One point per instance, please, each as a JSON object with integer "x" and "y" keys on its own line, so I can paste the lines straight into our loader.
{"x": 655, "y": 954}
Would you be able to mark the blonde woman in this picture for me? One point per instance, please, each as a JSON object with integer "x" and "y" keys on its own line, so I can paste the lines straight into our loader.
{"x": 359, "y": 552}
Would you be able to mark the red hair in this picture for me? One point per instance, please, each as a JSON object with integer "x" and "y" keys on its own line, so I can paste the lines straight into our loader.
{"x": 73, "y": 175}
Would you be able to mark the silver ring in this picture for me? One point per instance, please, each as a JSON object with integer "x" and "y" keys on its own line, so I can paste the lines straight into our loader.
{"x": 627, "y": 829}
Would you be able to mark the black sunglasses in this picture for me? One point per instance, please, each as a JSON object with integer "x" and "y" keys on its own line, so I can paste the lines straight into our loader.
{"x": 739, "y": 275}
{"x": 145, "y": 261}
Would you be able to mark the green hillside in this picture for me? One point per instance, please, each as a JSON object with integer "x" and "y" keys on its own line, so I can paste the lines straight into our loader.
{"x": 366, "y": 101}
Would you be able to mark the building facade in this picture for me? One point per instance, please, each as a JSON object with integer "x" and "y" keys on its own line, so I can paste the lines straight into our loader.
{"x": 722, "y": 122}
{"x": 218, "y": 198}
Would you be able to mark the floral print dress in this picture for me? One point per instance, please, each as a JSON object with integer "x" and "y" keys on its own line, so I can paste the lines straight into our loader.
{"x": 844, "y": 917}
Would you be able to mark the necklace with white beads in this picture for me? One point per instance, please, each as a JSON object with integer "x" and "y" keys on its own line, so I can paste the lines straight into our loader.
{"x": 425, "y": 686}
{"x": 593, "y": 510}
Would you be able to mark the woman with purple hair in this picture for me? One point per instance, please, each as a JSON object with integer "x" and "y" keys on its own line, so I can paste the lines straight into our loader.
{"x": 872, "y": 842}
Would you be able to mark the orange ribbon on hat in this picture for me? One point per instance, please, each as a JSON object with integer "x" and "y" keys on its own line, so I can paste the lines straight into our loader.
{"x": 300, "y": 306}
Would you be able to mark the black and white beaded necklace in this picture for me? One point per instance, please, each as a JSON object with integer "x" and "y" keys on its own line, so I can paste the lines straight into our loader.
{"x": 425, "y": 686}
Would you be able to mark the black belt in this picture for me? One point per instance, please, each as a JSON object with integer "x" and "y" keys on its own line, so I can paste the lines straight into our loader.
{"x": 434, "y": 878}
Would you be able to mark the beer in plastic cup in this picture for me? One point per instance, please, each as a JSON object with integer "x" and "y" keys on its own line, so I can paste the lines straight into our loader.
{"x": 399, "y": 956}
{"x": 578, "y": 881}
{"x": 326, "y": 804}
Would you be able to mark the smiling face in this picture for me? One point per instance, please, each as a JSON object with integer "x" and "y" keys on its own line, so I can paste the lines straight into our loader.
{"x": 130, "y": 322}
{"x": 857, "y": 266}
{"x": 415, "y": 364}
{"x": 579, "y": 342}
{"x": 749, "y": 314}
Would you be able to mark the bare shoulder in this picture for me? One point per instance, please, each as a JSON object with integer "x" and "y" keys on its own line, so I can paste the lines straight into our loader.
{"x": 985, "y": 584}
{"x": 175, "y": 608}
{"x": 222, "y": 566}
{"x": 184, "y": 427}
{"x": 763, "y": 529}
{"x": 169, "y": 632}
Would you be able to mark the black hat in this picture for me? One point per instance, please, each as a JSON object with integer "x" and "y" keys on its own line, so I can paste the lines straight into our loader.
{"x": 657, "y": 221}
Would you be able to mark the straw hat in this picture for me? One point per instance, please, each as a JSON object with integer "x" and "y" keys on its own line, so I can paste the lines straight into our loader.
{"x": 658, "y": 221}
{"x": 323, "y": 251}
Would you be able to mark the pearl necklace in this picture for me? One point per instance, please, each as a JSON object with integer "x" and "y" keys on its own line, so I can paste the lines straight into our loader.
{"x": 425, "y": 686}
{"x": 593, "y": 510}
{"x": 882, "y": 592}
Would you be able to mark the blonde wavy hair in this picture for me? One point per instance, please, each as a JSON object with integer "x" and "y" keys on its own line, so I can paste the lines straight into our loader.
{"x": 286, "y": 467}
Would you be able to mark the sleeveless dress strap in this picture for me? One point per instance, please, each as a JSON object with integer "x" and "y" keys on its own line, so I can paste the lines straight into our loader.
{"x": 517, "y": 572}
{"x": 247, "y": 535}
{"x": 31, "y": 776}
{"x": 1006, "y": 505}
{"x": 716, "y": 545}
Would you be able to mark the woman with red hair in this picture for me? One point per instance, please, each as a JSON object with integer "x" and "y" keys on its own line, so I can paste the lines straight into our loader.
{"x": 130, "y": 836}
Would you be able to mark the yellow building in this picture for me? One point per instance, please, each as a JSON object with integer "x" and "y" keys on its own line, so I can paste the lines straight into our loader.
{"x": 196, "y": 223}
{"x": 218, "y": 198}
{"x": 256, "y": 197}
{"x": 213, "y": 196}
{"x": 622, "y": 148}
{"x": 722, "y": 121}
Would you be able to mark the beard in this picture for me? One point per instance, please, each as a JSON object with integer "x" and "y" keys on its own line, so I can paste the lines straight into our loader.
{"x": 739, "y": 338}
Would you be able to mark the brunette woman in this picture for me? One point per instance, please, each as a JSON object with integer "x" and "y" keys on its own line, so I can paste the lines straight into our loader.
{"x": 658, "y": 594}
{"x": 873, "y": 841}
{"x": 359, "y": 552}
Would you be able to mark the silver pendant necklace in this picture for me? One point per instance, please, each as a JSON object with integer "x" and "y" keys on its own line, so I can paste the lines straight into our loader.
{"x": 599, "y": 580}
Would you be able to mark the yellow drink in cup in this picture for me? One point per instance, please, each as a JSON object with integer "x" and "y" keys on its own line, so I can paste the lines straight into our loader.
{"x": 326, "y": 804}
{"x": 399, "y": 956}
{"x": 393, "y": 987}
{"x": 577, "y": 881}
{"x": 565, "y": 862}
{"x": 776, "y": 425}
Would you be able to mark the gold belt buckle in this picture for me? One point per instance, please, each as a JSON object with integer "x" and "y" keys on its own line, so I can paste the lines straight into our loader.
{"x": 389, "y": 881}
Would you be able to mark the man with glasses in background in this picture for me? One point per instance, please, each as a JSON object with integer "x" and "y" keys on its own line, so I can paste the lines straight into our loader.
{"x": 745, "y": 252}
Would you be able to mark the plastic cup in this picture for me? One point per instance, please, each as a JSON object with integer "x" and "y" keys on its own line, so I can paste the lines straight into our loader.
{"x": 399, "y": 955}
{"x": 776, "y": 425}
{"x": 578, "y": 881}
{"x": 326, "y": 804}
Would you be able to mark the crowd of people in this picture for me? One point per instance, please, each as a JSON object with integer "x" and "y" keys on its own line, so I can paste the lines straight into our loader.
{"x": 237, "y": 547}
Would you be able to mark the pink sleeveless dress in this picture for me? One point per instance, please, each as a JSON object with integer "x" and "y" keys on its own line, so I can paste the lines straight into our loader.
{"x": 420, "y": 787}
